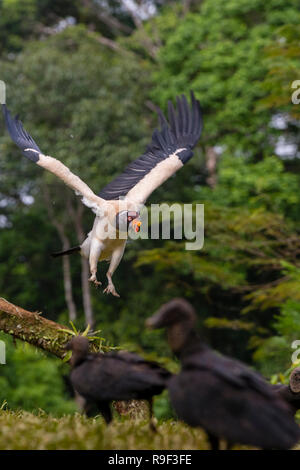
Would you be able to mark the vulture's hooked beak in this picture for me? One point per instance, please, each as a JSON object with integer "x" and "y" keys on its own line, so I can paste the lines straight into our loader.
{"x": 133, "y": 218}
{"x": 136, "y": 225}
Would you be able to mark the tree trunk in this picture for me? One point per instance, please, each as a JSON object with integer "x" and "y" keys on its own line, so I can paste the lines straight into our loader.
{"x": 85, "y": 271}
{"x": 211, "y": 166}
{"x": 68, "y": 288}
{"x": 86, "y": 293}
{"x": 68, "y": 283}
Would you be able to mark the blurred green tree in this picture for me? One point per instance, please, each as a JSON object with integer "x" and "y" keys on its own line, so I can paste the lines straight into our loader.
{"x": 218, "y": 50}
{"x": 32, "y": 380}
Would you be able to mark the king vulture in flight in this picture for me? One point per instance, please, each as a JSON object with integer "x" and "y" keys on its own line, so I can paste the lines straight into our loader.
{"x": 118, "y": 205}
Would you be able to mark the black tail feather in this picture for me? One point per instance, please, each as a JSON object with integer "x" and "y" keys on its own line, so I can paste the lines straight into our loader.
{"x": 74, "y": 249}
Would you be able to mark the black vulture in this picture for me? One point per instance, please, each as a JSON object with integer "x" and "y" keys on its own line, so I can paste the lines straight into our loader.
{"x": 119, "y": 375}
{"x": 221, "y": 395}
{"x": 291, "y": 393}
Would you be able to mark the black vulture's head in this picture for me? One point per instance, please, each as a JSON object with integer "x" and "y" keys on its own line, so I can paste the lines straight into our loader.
{"x": 295, "y": 380}
{"x": 179, "y": 317}
{"x": 176, "y": 311}
{"x": 125, "y": 218}
{"x": 79, "y": 345}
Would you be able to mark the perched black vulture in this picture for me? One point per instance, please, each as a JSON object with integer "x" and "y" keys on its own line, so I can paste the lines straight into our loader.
{"x": 102, "y": 378}
{"x": 220, "y": 394}
{"x": 291, "y": 393}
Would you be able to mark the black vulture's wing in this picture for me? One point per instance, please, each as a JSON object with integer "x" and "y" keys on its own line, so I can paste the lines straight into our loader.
{"x": 133, "y": 359}
{"x": 230, "y": 371}
{"x": 114, "y": 376}
{"x": 31, "y": 150}
{"x": 170, "y": 148}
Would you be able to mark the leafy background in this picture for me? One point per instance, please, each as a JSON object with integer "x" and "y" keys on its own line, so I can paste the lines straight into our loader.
{"x": 85, "y": 77}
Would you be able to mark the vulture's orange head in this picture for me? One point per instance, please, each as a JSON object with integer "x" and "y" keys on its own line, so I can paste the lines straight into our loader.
{"x": 125, "y": 218}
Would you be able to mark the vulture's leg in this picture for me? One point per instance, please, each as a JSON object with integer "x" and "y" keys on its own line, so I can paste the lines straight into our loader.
{"x": 95, "y": 251}
{"x": 153, "y": 427}
{"x": 214, "y": 441}
{"x": 90, "y": 409}
{"x": 104, "y": 408}
{"x": 114, "y": 263}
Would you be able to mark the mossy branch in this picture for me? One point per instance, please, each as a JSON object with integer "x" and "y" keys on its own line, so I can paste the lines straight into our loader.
{"x": 51, "y": 337}
{"x": 33, "y": 328}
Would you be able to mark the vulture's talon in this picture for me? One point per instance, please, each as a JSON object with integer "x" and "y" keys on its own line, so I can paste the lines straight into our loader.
{"x": 95, "y": 281}
{"x": 110, "y": 289}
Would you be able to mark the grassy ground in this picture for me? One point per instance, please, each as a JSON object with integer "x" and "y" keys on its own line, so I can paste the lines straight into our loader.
{"x": 27, "y": 431}
{"x": 23, "y": 430}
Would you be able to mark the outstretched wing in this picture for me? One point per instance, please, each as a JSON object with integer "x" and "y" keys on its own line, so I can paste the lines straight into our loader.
{"x": 169, "y": 150}
{"x": 31, "y": 150}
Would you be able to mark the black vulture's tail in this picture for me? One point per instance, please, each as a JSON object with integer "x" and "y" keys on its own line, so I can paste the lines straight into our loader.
{"x": 74, "y": 249}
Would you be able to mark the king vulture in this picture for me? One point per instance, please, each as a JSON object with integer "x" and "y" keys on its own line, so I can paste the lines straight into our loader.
{"x": 118, "y": 205}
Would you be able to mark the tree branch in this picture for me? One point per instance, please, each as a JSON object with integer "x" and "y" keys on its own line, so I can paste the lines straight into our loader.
{"x": 146, "y": 41}
{"x": 33, "y": 328}
{"x": 135, "y": 18}
{"x": 109, "y": 43}
{"x": 106, "y": 18}
{"x": 49, "y": 336}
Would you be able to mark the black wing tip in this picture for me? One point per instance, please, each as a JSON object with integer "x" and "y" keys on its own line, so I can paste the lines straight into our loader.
{"x": 186, "y": 120}
{"x": 8, "y": 116}
{"x": 11, "y": 121}
{"x": 20, "y": 137}
{"x": 183, "y": 127}
{"x": 175, "y": 133}
{"x": 162, "y": 119}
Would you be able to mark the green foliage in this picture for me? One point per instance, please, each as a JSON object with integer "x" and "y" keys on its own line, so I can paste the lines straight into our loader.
{"x": 32, "y": 380}
{"x": 162, "y": 407}
{"x": 265, "y": 184}
{"x": 287, "y": 323}
{"x": 25, "y": 271}
{"x": 274, "y": 354}
{"x": 21, "y": 20}
{"x": 12, "y": 13}
{"x": 218, "y": 51}
{"x": 282, "y": 59}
